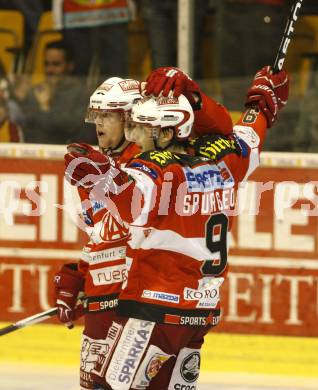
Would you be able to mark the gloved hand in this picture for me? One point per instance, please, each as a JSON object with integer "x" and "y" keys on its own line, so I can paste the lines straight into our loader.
{"x": 269, "y": 92}
{"x": 68, "y": 283}
{"x": 84, "y": 166}
{"x": 169, "y": 80}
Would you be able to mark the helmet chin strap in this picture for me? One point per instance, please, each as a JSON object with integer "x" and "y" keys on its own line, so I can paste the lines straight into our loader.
{"x": 155, "y": 137}
{"x": 119, "y": 145}
{"x": 161, "y": 147}
{"x": 111, "y": 150}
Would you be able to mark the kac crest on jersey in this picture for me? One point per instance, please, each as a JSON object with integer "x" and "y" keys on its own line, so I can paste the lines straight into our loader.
{"x": 112, "y": 229}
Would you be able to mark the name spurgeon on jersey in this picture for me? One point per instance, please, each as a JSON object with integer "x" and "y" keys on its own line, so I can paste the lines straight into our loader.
{"x": 207, "y": 203}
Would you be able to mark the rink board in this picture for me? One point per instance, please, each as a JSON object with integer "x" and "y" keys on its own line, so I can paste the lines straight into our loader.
{"x": 272, "y": 286}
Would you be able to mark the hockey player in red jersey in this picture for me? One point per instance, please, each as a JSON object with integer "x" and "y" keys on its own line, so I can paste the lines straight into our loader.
{"x": 179, "y": 212}
{"x": 102, "y": 267}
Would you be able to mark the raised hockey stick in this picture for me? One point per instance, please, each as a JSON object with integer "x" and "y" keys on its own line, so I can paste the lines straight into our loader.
{"x": 44, "y": 315}
{"x": 288, "y": 33}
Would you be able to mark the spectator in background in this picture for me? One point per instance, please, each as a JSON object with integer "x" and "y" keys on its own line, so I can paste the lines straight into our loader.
{"x": 96, "y": 30}
{"x": 161, "y": 21}
{"x": 15, "y": 113}
{"x": 248, "y": 33}
{"x": 54, "y": 109}
{"x": 9, "y": 131}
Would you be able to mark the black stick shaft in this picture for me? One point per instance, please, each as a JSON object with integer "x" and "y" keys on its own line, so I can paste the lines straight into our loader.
{"x": 44, "y": 315}
{"x": 288, "y": 33}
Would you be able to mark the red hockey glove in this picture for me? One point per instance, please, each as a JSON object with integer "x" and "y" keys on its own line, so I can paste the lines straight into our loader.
{"x": 269, "y": 92}
{"x": 68, "y": 282}
{"x": 166, "y": 79}
{"x": 85, "y": 166}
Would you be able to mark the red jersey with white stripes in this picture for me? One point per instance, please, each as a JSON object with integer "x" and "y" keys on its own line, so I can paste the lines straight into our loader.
{"x": 179, "y": 212}
{"x": 103, "y": 258}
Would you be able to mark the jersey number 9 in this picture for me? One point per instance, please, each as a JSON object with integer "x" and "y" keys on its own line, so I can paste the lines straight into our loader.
{"x": 216, "y": 242}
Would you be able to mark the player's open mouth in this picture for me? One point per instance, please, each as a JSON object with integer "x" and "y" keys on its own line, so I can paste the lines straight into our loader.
{"x": 100, "y": 133}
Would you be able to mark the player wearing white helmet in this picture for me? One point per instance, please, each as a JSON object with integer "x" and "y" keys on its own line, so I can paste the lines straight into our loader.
{"x": 168, "y": 122}
{"x": 155, "y": 323}
{"x": 108, "y": 107}
{"x": 102, "y": 266}
{"x": 179, "y": 209}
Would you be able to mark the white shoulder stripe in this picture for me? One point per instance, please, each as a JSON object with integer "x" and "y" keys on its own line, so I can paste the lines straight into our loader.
{"x": 148, "y": 188}
{"x": 170, "y": 240}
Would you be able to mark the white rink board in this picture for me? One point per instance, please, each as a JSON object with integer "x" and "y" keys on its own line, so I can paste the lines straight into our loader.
{"x": 268, "y": 159}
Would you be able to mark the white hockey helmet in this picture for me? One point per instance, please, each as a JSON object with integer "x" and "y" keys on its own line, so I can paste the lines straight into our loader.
{"x": 165, "y": 112}
{"x": 113, "y": 95}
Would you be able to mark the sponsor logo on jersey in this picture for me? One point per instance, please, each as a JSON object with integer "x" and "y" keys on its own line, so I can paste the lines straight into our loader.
{"x": 95, "y": 352}
{"x": 206, "y": 178}
{"x": 144, "y": 168}
{"x": 215, "y": 147}
{"x": 104, "y": 355}
{"x": 109, "y": 275}
{"x": 163, "y": 157}
{"x": 129, "y": 85}
{"x": 149, "y": 367}
{"x": 102, "y": 305}
{"x": 191, "y": 321}
{"x": 160, "y": 296}
{"x": 129, "y": 351}
{"x": 185, "y": 320}
{"x": 106, "y": 255}
{"x": 154, "y": 365}
{"x": 207, "y": 294}
{"x": 179, "y": 386}
{"x": 192, "y": 295}
{"x": 190, "y": 367}
{"x": 97, "y": 206}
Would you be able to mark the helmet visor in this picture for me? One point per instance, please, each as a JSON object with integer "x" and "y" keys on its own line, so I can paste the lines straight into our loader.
{"x": 93, "y": 114}
{"x": 136, "y": 131}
